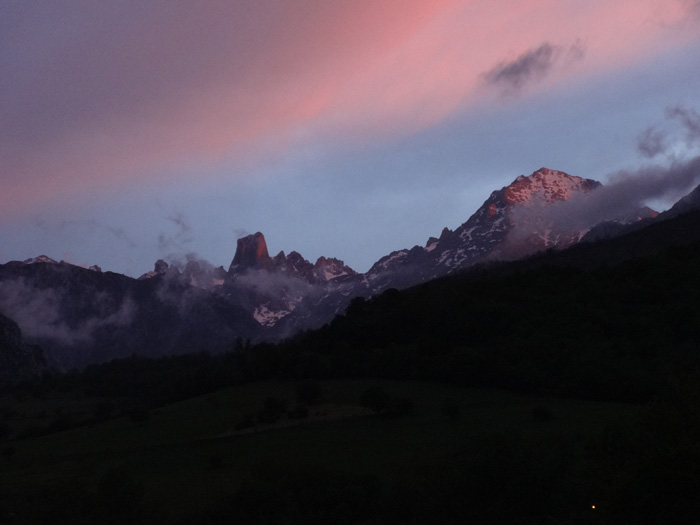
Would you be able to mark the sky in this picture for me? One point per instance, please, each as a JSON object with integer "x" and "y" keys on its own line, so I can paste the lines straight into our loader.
{"x": 144, "y": 129}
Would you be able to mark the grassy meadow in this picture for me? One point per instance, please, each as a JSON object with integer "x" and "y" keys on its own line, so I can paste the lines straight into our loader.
{"x": 208, "y": 458}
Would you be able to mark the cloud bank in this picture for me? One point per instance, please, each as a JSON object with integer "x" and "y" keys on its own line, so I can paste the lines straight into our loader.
{"x": 629, "y": 190}
{"x": 95, "y": 96}
{"x": 41, "y": 312}
{"x": 651, "y": 142}
{"x": 531, "y": 67}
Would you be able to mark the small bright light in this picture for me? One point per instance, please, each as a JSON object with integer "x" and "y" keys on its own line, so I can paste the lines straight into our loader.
{"x": 593, "y": 506}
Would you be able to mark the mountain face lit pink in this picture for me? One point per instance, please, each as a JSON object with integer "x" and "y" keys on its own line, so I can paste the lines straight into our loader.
{"x": 525, "y": 205}
{"x": 545, "y": 185}
{"x": 513, "y": 222}
{"x": 251, "y": 252}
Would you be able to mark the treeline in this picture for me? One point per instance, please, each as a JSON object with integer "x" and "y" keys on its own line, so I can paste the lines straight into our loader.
{"x": 626, "y": 332}
{"x": 621, "y": 333}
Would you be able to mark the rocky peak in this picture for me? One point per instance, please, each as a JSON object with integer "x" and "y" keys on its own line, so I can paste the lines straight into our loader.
{"x": 201, "y": 274}
{"x": 159, "y": 268}
{"x": 279, "y": 259}
{"x": 542, "y": 188}
{"x": 326, "y": 269}
{"x": 295, "y": 265}
{"x": 547, "y": 186}
{"x": 251, "y": 252}
{"x": 511, "y": 223}
{"x": 40, "y": 259}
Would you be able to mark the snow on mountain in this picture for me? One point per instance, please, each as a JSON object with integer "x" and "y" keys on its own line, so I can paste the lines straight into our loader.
{"x": 513, "y": 221}
{"x": 510, "y": 224}
{"x": 327, "y": 269}
{"x": 267, "y": 317}
{"x": 527, "y": 216}
{"x": 44, "y": 259}
{"x": 273, "y": 287}
{"x": 264, "y": 297}
{"x": 40, "y": 259}
{"x": 545, "y": 185}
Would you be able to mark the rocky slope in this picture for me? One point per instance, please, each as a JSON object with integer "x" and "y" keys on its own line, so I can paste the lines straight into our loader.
{"x": 80, "y": 316}
{"x": 85, "y": 315}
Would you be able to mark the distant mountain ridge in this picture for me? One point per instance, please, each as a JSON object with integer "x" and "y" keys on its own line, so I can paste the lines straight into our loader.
{"x": 496, "y": 230}
{"x": 88, "y": 316}
{"x": 252, "y": 254}
{"x": 79, "y": 316}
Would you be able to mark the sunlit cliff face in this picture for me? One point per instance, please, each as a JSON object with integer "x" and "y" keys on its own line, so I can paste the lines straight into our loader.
{"x": 251, "y": 252}
{"x": 547, "y": 186}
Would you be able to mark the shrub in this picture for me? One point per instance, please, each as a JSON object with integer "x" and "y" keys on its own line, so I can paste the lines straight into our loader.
{"x": 451, "y": 408}
{"x": 540, "y": 413}
{"x": 375, "y": 398}
{"x": 308, "y": 392}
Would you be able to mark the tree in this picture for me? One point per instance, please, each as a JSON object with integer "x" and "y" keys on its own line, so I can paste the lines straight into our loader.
{"x": 451, "y": 408}
{"x": 375, "y": 398}
{"x": 308, "y": 392}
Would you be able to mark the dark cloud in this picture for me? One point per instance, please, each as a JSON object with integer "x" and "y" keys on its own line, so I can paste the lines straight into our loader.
{"x": 626, "y": 193}
{"x": 179, "y": 220}
{"x": 89, "y": 226}
{"x": 575, "y": 52}
{"x": 693, "y": 9}
{"x": 528, "y": 66}
{"x": 41, "y": 312}
{"x": 689, "y": 118}
{"x": 180, "y": 261}
{"x": 651, "y": 142}
{"x": 654, "y": 141}
{"x": 120, "y": 234}
{"x": 532, "y": 66}
{"x": 182, "y": 235}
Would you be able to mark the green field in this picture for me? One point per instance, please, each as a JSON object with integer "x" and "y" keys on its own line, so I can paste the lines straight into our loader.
{"x": 185, "y": 459}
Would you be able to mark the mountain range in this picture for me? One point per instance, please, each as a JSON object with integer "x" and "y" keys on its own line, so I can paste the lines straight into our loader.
{"x": 80, "y": 316}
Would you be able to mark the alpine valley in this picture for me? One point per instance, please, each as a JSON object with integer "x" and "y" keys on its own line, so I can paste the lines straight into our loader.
{"x": 62, "y": 316}
{"x": 538, "y": 364}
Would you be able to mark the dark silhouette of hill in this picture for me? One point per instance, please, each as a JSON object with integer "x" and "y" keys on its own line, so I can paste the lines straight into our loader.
{"x": 18, "y": 359}
{"x": 641, "y": 240}
{"x": 614, "y": 319}
{"x": 79, "y": 316}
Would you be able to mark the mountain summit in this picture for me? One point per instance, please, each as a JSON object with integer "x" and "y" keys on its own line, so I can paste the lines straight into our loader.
{"x": 81, "y": 316}
{"x": 516, "y": 220}
{"x": 251, "y": 252}
{"x": 544, "y": 185}
{"x": 511, "y": 223}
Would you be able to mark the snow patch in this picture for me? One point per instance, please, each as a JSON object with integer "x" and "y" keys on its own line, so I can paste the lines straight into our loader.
{"x": 40, "y": 259}
{"x": 266, "y": 317}
{"x": 329, "y": 275}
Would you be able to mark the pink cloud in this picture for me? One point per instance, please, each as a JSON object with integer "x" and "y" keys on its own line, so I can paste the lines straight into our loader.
{"x": 97, "y": 95}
